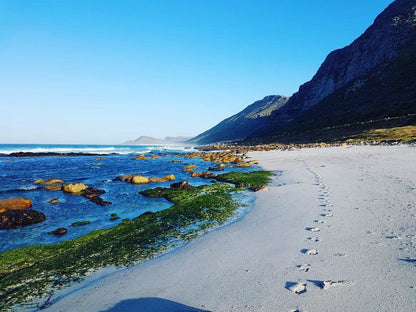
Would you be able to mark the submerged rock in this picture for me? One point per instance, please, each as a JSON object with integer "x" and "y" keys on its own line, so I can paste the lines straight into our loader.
{"x": 12, "y": 219}
{"x": 216, "y": 168}
{"x": 141, "y": 157}
{"x": 16, "y": 203}
{"x": 59, "y": 231}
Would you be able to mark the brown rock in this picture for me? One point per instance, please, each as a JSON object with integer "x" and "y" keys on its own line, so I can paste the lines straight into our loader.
{"x": 53, "y": 201}
{"x": 17, "y": 203}
{"x": 59, "y": 231}
{"x": 181, "y": 185}
{"x": 138, "y": 179}
{"x": 170, "y": 177}
{"x": 142, "y": 157}
{"x": 39, "y": 181}
{"x": 54, "y": 187}
{"x": 54, "y": 181}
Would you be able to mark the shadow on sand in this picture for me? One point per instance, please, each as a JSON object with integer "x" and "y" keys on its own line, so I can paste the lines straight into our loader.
{"x": 151, "y": 305}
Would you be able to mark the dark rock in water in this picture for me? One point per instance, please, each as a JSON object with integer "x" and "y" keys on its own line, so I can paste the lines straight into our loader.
{"x": 181, "y": 185}
{"x": 53, "y": 201}
{"x": 100, "y": 201}
{"x": 216, "y": 168}
{"x": 12, "y": 219}
{"x": 93, "y": 195}
{"x": 114, "y": 218}
{"x": 59, "y": 231}
{"x": 256, "y": 188}
{"x": 92, "y": 192}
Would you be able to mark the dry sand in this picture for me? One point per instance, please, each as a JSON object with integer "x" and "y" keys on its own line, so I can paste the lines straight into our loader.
{"x": 335, "y": 232}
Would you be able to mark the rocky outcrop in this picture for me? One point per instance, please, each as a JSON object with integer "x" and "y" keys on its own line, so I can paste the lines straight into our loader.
{"x": 357, "y": 88}
{"x": 11, "y": 219}
{"x": 243, "y": 124}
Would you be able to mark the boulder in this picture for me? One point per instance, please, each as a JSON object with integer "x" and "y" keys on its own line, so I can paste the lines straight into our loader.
{"x": 39, "y": 181}
{"x": 170, "y": 177}
{"x": 16, "y": 203}
{"x": 12, "y": 219}
{"x": 216, "y": 168}
{"x": 53, "y": 201}
{"x": 54, "y": 181}
{"x": 54, "y": 187}
{"x": 138, "y": 179}
{"x": 181, "y": 185}
{"x": 59, "y": 231}
{"x": 243, "y": 165}
{"x": 92, "y": 192}
{"x": 75, "y": 188}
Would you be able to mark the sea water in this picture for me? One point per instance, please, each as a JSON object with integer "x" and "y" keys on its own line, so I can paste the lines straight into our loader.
{"x": 18, "y": 173}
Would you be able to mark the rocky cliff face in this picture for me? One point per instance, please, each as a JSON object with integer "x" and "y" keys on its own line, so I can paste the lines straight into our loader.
{"x": 244, "y": 123}
{"x": 370, "y": 83}
{"x": 392, "y": 31}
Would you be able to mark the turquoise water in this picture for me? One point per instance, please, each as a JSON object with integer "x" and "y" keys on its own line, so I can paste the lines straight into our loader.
{"x": 18, "y": 173}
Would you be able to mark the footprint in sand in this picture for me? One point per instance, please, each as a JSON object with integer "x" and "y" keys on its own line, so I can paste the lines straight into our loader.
{"x": 329, "y": 284}
{"x": 310, "y": 252}
{"x": 313, "y": 229}
{"x": 313, "y": 239}
{"x": 304, "y": 267}
{"x": 297, "y": 288}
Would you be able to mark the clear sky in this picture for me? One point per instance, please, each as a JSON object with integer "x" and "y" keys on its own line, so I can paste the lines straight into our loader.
{"x": 109, "y": 71}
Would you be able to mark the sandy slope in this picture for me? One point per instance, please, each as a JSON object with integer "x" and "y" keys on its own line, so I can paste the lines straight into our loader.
{"x": 367, "y": 241}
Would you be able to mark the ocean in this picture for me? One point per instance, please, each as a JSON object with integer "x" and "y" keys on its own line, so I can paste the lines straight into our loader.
{"x": 17, "y": 175}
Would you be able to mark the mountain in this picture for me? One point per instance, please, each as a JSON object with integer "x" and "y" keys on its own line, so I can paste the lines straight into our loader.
{"x": 244, "y": 123}
{"x": 146, "y": 140}
{"x": 370, "y": 83}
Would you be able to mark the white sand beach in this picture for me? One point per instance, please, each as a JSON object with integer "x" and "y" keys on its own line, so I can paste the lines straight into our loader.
{"x": 339, "y": 223}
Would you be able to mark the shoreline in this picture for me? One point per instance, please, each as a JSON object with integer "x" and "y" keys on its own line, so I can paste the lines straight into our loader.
{"x": 250, "y": 264}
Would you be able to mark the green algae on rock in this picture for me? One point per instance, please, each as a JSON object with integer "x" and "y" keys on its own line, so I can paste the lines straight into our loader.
{"x": 35, "y": 271}
{"x": 252, "y": 180}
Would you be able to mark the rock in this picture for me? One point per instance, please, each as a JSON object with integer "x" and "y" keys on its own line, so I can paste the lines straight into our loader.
{"x": 75, "y": 188}
{"x": 54, "y": 181}
{"x": 99, "y": 201}
{"x": 256, "y": 188}
{"x": 53, "y": 201}
{"x": 92, "y": 192}
{"x": 216, "y": 168}
{"x": 133, "y": 178}
{"x": 138, "y": 179}
{"x": 16, "y": 203}
{"x": 59, "y": 231}
{"x": 170, "y": 177}
{"x": 53, "y": 184}
{"x": 243, "y": 165}
{"x": 181, "y": 185}
{"x": 204, "y": 175}
{"x": 188, "y": 168}
{"x": 141, "y": 157}
{"x": 39, "y": 181}
{"x": 11, "y": 219}
{"x": 54, "y": 187}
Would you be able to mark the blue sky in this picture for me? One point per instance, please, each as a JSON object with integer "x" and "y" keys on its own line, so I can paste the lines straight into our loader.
{"x": 108, "y": 71}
